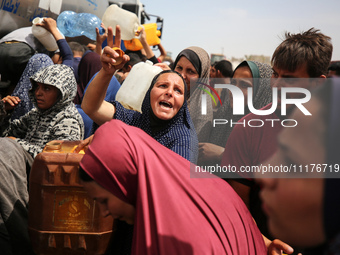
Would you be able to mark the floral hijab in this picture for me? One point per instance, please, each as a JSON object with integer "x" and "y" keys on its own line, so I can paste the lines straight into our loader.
{"x": 36, "y": 63}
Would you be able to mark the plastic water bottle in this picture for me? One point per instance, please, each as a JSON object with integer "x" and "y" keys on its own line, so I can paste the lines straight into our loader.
{"x": 44, "y": 36}
{"x": 73, "y": 24}
{"x": 131, "y": 94}
{"x": 66, "y": 23}
{"x": 128, "y": 21}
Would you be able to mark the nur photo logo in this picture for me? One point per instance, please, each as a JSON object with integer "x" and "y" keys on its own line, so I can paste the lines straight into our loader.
{"x": 285, "y": 97}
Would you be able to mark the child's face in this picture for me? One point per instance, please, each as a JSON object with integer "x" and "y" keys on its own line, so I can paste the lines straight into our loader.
{"x": 45, "y": 95}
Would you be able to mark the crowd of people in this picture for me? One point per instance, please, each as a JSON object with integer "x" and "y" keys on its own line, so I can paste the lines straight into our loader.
{"x": 140, "y": 167}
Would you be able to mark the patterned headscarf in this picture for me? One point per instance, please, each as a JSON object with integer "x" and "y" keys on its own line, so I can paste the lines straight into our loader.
{"x": 262, "y": 73}
{"x": 261, "y": 97}
{"x": 61, "y": 77}
{"x": 36, "y": 63}
{"x": 61, "y": 121}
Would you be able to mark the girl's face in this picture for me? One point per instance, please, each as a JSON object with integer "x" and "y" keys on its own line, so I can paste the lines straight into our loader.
{"x": 294, "y": 205}
{"x": 243, "y": 79}
{"x": 109, "y": 204}
{"x": 187, "y": 70}
{"x": 45, "y": 95}
{"x": 167, "y": 96}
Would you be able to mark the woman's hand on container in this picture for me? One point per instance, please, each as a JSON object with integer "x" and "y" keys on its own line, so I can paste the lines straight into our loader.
{"x": 51, "y": 25}
{"x": 83, "y": 145}
{"x": 142, "y": 34}
{"x": 111, "y": 57}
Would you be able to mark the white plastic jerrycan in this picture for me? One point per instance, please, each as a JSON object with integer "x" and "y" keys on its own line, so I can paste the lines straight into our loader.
{"x": 131, "y": 94}
{"x": 44, "y": 36}
{"x": 128, "y": 21}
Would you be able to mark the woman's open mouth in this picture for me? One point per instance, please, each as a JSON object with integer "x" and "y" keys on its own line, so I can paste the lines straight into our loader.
{"x": 165, "y": 104}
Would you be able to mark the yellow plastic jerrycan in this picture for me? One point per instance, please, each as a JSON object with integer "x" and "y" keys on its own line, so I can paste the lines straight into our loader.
{"x": 152, "y": 38}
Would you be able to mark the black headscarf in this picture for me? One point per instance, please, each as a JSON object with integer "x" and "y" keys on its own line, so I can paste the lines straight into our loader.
{"x": 192, "y": 57}
{"x": 156, "y": 123}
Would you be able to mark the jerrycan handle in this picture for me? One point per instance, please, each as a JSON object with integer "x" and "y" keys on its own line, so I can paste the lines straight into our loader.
{"x": 53, "y": 146}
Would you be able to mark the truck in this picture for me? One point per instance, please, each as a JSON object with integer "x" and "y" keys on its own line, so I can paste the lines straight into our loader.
{"x": 137, "y": 7}
{"x": 15, "y": 14}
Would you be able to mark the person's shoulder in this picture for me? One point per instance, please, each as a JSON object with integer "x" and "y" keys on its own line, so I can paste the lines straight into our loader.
{"x": 21, "y": 30}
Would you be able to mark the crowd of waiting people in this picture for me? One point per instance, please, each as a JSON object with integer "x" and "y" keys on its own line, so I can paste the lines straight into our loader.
{"x": 138, "y": 165}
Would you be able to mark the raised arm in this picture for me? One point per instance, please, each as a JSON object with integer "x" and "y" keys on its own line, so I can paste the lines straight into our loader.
{"x": 93, "y": 103}
{"x": 99, "y": 40}
{"x": 65, "y": 51}
{"x": 51, "y": 25}
{"x": 162, "y": 51}
{"x": 149, "y": 53}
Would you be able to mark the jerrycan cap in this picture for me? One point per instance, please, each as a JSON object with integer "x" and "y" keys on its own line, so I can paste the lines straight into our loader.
{"x": 150, "y": 63}
{"x": 37, "y": 20}
{"x": 121, "y": 53}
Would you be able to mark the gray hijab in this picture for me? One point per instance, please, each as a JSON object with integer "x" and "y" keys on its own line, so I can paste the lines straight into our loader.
{"x": 201, "y": 61}
{"x": 261, "y": 97}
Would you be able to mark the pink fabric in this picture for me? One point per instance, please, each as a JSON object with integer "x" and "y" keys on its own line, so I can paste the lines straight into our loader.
{"x": 250, "y": 146}
{"x": 175, "y": 214}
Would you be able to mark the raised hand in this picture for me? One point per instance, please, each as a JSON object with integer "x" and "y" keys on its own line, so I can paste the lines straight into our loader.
{"x": 113, "y": 58}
